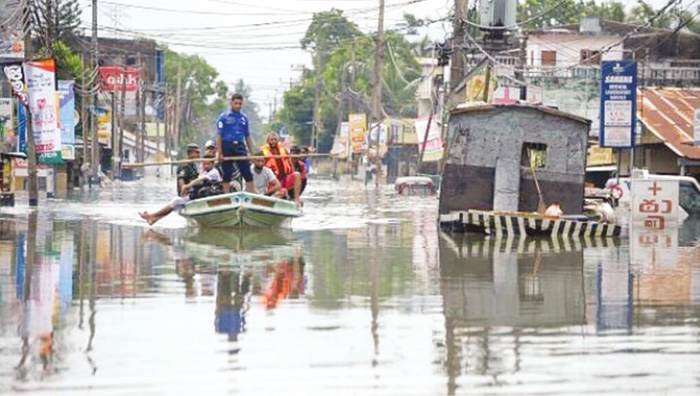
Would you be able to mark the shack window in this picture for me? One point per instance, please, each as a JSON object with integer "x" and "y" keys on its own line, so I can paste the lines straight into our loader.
{"x": 549, "y": 58}
{"x": 534, "y": 155}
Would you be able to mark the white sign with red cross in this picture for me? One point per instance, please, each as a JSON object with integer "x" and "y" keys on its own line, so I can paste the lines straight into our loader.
{"x": 654, "y": 203}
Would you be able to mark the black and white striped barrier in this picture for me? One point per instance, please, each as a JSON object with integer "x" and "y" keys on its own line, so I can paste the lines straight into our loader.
{"x": 503, "y": 223}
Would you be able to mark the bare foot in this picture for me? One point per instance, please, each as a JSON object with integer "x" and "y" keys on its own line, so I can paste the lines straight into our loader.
{"x": 147, "y": 217}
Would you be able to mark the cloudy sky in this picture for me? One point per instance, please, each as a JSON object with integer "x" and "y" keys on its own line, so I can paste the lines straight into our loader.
{"x": 257, "y": 41}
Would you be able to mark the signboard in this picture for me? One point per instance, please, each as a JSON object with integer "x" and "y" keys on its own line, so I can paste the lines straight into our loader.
{"x": 11, "y": 38}
{"x": 21, "y": 127}
{"x": 506, "y": 95}
{"x": 111, "y": 79}
{"x": 600, "y": 156}
{"x": 358, "y": 131}
{"x": 618, "y": 95}
{"x": 41, "y": 90}
{"x": 654, "y": 204}
{"x": 433, "y": 145}
{"x": 6, "y": 126}
{"x": 67, "y": 118}
{"x": 104, "y": 125}
{"x": 476, "y": 88}
{"x": 15, "y": 77}
{"x": 21, "y": 169}
{"x": 534, "y": 94}
{"x": 696, "y": 127}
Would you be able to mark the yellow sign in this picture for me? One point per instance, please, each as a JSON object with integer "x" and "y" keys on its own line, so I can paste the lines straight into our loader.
{"x": 600, "y": 156}
{"x": 476, "y": 87}
{"x": 358, "y": 131}
{"x": 104, "y": 127}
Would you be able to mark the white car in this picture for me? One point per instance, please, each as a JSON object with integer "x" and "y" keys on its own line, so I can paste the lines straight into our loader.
{"x": 689, "y": 190}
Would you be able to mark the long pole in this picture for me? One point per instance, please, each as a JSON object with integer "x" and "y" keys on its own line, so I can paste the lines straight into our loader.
{"x": 122, "y": 116}
{"x": 176, "y": 126}
{"x": 425, "y": 141}
{"x": 93, "y": 124}
{"x": 31, "y": 147}
{"x": 377, "y": 77}
{"x": 457, "y": 59}
{"x": 83, "y": 116}
{"x": 317, "y": 97}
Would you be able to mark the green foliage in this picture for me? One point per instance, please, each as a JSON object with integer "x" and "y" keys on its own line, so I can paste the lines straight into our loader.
{"x": 55, "y": 20}
{"x": 327, "y": 31}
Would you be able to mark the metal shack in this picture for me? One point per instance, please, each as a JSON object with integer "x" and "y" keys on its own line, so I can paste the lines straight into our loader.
{"x": 493, "y": 152}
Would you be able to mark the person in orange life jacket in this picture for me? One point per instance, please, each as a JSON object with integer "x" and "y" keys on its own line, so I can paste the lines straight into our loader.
{"x": 278, "y": 160}
{"x": 233, "y": 140}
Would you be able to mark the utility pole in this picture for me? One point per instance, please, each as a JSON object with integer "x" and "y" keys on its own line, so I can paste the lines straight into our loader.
{"x": 114, "y": 130}
{"x": 139, "y": 102}
{"x": 166, "y": 121}
{"x": 95, "y": 133}
{"x": 377, "y": 80}
{"x": 83, "y": 116}
{"x": 317, "y": 73}
{"x": 31, "y": 147}
{"x": 176, "y": 126}
{"x": 457, "y": 57}
{"x": 122, "y": 116}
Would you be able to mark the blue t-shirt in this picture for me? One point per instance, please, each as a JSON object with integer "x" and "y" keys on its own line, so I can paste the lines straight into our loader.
{"x": 232, "y": 127}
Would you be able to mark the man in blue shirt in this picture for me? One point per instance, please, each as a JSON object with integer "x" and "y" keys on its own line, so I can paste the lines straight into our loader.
{"x": 233, "y": 140}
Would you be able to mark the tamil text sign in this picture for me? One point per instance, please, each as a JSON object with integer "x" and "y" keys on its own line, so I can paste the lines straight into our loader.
{"x": 43, "y": 103}
{"x": 654, "y": 203}
{"x": 618, "y": 93}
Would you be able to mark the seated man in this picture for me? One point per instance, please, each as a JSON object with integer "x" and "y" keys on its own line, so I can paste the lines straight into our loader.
{"x": 210, "y": 149}
{"x": 188, "y": 172}
{"x": 265, "y": 181}
{"x": 300, "y": 165}
{"x": 208, "y": 176}
{"x": 278, "y": 160}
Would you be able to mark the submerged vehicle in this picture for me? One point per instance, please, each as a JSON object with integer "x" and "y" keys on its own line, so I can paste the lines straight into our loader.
{"x": 241, "y": 209}
{"x": 689, "y": 189}
{"x": 415, "y": 185}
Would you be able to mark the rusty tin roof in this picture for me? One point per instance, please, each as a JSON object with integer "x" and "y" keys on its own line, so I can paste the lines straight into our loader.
{"x": 668, "y": 114}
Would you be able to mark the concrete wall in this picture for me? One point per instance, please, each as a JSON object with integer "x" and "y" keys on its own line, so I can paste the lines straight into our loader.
{"x": 478, "y": 140}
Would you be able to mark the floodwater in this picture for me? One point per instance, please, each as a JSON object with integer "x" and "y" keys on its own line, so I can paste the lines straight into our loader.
{"x": 363, "y": 296}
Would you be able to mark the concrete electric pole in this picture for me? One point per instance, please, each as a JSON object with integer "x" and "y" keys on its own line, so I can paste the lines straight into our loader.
{"x": 31, "y": 148}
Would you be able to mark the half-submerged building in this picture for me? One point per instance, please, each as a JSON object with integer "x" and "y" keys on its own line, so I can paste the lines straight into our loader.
{"x": 498, "y": 155}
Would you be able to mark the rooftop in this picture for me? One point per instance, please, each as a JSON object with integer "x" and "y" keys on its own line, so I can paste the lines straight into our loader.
{"x": 668, "y": 114}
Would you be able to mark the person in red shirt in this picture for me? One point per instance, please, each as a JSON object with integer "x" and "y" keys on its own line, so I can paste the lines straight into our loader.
{"x": 278, "y": 160}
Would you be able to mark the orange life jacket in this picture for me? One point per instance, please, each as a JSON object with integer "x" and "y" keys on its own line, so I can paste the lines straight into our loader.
{"x": 276, "y": 163}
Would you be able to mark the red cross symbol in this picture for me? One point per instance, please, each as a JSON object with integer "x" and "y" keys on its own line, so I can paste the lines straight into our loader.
{"x": 654, "y": 189}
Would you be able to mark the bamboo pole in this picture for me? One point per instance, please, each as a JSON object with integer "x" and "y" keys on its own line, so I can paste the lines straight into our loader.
{"x": 244, "y": 157}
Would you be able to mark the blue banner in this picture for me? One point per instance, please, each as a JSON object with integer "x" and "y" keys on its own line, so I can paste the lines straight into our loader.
{"x": 618, "y": 96}
{"x": 66, "y": 96}
{"x": 21, "y": 127}
{"x": 160, "y": 82}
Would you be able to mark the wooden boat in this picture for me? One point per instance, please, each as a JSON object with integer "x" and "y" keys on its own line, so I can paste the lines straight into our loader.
{"x": 241, "y": 209}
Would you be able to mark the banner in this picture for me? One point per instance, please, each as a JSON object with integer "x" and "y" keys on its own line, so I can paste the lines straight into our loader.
{"x": 41, "y": 90}
{"x": 21, "y": 128}
{"x": 15, "y": 77}
{"x": 475, "y": 89}
{"x": 11, "y": 38}
{"x": 433, "y": 145}
{"x": 67, "y": 118}
{"x": 618, "y": 96}
{"x": 6, "y": 126}
{"x": 358, "y": 131}
{"x": 104, "y": 125}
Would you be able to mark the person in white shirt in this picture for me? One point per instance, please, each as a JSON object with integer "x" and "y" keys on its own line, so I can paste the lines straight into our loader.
{"x": 554, "y": 210}
{"x": 209, "y": 175}
{"x": 264, "y": 178}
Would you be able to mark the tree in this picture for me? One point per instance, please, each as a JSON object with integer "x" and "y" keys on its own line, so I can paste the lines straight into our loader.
{"x": 327, "y": 31}
{"x": 55, "y": 20}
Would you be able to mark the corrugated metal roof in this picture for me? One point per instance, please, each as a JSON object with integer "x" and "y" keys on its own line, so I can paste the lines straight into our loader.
{"x": 668, "y": 114}
{"x": 481, "y": 106}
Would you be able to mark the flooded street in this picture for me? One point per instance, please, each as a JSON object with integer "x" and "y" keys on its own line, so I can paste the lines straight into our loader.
{"x": 364, "y": 295}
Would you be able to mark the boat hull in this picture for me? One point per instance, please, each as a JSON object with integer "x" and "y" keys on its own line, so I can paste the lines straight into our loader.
{"x": 240, "y": 210}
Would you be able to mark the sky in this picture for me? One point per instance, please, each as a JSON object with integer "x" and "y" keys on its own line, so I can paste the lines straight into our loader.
{"x": 257, "y": 41}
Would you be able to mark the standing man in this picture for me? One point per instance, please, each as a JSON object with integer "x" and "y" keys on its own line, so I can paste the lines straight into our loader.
{"x": 233, "y": 139}
{"x": 188, "y": 172}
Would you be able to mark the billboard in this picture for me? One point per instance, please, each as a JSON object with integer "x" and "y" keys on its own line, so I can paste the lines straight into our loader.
{"x": 41, "y": 90}
{"x": 358, "y": 131}
{"x": 66, "y": 96}
{"x": 6, "y": 126}
{"x": 618, "y": 95}
{"x": 433, "y": 141}
{"x": 112, "y": 79}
